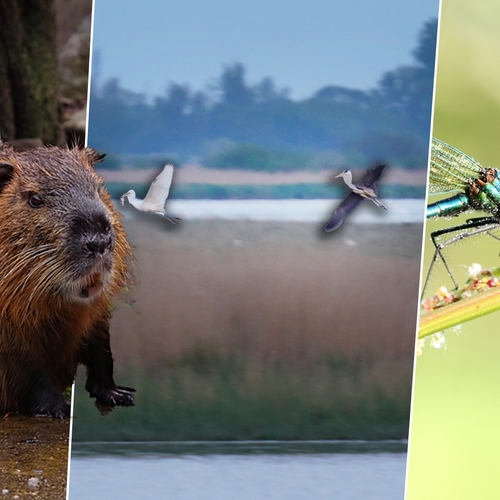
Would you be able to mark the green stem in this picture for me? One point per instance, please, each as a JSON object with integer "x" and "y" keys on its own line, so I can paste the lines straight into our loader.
{"x": 459, "y": 312}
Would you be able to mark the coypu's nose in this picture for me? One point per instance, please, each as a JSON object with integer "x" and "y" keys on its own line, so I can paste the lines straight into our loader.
{"x": 99, "y": 244}
{"x": 94, "y": 233}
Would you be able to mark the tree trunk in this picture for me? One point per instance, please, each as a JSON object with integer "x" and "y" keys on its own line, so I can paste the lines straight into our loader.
{"x": 28, "y": 71}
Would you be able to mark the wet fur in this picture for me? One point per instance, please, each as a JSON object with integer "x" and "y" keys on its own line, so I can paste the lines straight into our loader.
{"x": 47, "y": 324}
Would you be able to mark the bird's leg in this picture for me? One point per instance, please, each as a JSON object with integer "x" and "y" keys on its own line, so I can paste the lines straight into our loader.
{"x": 172, "y": 218}
{"x": 379, "y": 203}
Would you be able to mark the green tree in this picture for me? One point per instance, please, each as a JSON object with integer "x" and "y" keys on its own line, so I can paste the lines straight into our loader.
{"x": 425, "y": 53}
{"x": 409, "y": 88}
{"x": 234, "y": 89}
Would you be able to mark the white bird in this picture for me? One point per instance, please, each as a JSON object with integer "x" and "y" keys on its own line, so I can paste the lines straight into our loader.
{"x": 154, "y": 202}
{"x": 366, "y": 189}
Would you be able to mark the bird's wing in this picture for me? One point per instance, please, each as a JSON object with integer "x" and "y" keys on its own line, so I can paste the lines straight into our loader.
{"x": 371, "y": 176}
{"x": 159, "y": 189}
{"x": 343, "y": 210}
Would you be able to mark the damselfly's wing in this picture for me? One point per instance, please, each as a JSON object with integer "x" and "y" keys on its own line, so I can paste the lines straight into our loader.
{"x": 450, "y": 169}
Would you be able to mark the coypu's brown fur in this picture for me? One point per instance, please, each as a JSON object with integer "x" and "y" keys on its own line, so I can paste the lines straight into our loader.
{"x": 63, "y": 256}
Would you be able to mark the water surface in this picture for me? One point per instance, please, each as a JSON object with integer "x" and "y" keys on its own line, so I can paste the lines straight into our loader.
{"x": 398, "y": 210}
{"x": 299, "y": 472}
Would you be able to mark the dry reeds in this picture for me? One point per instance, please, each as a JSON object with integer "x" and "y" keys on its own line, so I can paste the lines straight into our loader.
{"x": 270, "y": 290}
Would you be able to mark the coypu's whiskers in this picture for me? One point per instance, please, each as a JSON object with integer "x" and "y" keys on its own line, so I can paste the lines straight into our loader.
{"x": 43, "y": 281}
{"x": 19, "y": 285}
{"x": 25, "y": 259}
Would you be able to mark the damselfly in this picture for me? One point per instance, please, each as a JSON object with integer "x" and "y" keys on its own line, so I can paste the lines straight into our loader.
{"x": 478, "y": 189}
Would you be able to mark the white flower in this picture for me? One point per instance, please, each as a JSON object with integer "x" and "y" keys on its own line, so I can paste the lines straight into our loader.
{"x": 438, "y": 340}
{"x": 475, "y": 270}
{"x": 420, "y": 345}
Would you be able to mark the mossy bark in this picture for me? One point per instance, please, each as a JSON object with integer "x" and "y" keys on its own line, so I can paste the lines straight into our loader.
{"x": 28, "y": 71}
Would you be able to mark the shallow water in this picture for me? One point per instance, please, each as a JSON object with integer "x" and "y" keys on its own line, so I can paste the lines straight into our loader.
{"x": 398, "y": 210}
{"x": 255, "y": 475}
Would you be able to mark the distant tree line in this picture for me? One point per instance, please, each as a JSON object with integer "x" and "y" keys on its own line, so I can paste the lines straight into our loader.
{"x": 237, "y": 122}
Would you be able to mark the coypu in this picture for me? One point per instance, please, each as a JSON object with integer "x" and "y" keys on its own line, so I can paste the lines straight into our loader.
{"x": 63, "y": 255}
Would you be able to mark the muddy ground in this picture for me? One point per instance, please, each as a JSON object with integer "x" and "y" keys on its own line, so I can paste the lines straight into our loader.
{"x": 33, "y": 457}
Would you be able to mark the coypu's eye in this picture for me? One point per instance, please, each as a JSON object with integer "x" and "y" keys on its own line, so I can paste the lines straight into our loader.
{"x": 35, "y": 200}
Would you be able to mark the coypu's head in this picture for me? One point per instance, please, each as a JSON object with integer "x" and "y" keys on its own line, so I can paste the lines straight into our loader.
{"x": 60, "y": 237}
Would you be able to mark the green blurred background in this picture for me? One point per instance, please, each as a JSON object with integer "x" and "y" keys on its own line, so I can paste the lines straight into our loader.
{"x": 454, "y": 437}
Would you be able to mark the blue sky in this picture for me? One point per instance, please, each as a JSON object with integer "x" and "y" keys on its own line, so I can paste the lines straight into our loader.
{"x": 302, "y": 45}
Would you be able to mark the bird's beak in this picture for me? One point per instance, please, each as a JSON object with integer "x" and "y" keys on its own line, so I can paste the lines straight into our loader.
{"x": 340, "y": 175}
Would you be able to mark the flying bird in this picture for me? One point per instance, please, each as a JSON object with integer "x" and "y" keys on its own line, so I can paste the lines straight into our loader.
{"x": 154, "y": 203}
{"x": 366, "y": 189}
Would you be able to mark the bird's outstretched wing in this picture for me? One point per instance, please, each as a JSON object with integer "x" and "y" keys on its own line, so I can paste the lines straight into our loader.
{"x": 343, "y": 210}
{"x": 159, "y": 189}
{"x": 371, "y": 176}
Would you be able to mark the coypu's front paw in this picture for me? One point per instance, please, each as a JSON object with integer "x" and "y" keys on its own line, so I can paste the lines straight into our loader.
{"x": 59, "y": 408}
{"x": 44, "y": 399}
{"x": 107, "y": 399}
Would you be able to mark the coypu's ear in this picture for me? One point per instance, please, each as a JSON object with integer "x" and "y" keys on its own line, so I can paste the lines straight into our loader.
{"x": 6, "y": 174}
{"x": 93, "y": 155}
